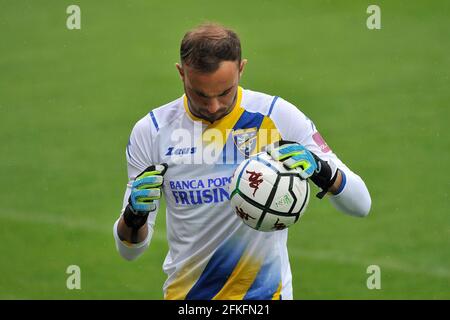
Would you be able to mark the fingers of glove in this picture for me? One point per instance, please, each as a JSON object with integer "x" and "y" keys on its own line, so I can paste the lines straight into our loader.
{"x": 146, "y": 194}
{"x": 303, "y": 162}
{"x": 142, "y": 200}
{"x": 277, "y": 144}
{"x": 285, "y": 151}
{"x": 143, "y": 207}
{"x": 147, "y": 181}
{"x": 280, "y": 143}
{"x": 159, "y": 169}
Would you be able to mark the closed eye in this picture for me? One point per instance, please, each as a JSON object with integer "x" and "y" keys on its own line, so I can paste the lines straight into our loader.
{"x": 225, "y": 93}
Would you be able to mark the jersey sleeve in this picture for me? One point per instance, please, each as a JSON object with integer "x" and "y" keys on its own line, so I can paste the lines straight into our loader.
{"x": 139, "y": 155}
{"x": 353, "y": 197}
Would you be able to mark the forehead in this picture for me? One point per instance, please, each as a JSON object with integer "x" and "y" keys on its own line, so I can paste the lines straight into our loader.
{"x": 214, "y": 82}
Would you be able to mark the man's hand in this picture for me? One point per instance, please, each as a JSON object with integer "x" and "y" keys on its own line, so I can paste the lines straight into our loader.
{"x": 145, "y": 189}
{"x": 295, "y": 156}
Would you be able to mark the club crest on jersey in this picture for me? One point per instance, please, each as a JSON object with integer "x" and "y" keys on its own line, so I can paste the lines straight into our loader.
{"x": 245, "y": 140}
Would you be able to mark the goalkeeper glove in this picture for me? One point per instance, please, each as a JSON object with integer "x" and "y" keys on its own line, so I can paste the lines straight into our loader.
{"x": 145, "y": 189}
{"x": 295, "y": 156}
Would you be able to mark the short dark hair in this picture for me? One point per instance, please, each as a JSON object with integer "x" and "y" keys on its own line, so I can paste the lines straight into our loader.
{"x": 206, "y": 46}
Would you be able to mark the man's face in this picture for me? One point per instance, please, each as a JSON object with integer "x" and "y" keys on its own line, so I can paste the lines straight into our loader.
{"x": 212, "y": 95}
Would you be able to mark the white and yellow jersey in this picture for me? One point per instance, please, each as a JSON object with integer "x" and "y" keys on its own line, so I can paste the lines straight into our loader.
{"x": 212, "y": 254}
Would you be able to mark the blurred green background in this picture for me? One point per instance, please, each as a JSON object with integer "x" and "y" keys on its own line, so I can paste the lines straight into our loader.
{"x": 69, "y": 99}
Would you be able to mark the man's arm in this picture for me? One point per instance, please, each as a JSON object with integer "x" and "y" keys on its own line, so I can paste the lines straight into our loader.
{"x": 126, "y": 233}
{"x": 348, "y": 192}
{"x": 334, "y": 189}
{"x": 133, "y": 238}
{"x": 131, "y": 251}
{"x": 132, "y": 226}
{"x": 353, "y": 198}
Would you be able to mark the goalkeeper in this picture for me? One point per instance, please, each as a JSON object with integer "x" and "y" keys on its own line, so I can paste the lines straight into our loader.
{"x": 212, "y": 254}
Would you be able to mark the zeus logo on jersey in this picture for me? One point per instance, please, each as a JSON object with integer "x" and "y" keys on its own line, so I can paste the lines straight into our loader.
{"x": 180, "y": 151}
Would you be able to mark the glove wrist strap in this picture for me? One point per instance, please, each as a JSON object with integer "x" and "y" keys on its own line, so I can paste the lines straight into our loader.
{"x": 324, "y": 191}
{"x": 133, "y": 219}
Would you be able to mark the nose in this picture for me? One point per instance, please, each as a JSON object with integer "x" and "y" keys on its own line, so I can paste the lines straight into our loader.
{"x": 213, "y": 105}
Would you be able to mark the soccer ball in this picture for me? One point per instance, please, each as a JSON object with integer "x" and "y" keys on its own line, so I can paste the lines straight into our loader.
{"x": 266, "y": 195}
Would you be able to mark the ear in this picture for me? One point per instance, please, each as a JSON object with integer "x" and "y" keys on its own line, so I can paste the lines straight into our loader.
{"x": 180, "y": 71}
{"x": 241, "y": 67}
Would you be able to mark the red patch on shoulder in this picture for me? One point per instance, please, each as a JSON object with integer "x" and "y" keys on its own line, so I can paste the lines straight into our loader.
{"x": 320, "y": 142}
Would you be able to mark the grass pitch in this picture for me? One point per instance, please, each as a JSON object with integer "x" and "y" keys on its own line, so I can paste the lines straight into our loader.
{"x": 69, "y": 98}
